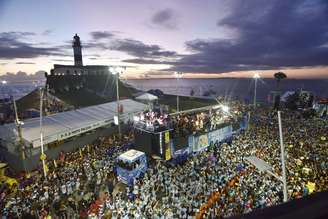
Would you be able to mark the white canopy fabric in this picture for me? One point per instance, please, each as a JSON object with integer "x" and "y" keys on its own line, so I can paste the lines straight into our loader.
{"x": 67, "y": 124}
{"x": 147, "y": 97}
{"x": 260, "y": 164}
{"x": 286, "y": 95}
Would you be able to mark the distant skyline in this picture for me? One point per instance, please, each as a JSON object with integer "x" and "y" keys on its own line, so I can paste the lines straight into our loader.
{"x": 208, "y": 38}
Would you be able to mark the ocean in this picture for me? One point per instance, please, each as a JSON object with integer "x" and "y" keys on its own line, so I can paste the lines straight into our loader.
{"x": 18, "y": 89}
{"x": 228, "y": 87}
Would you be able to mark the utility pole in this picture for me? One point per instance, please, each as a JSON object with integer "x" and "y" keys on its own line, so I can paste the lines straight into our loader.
{"x": 282, "y": 155}
{"x": 43, "y": 156}
{"x": 19, "y": 130}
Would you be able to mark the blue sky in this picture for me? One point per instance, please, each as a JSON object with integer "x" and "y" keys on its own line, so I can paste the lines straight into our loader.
{"x": 208, "y": 38}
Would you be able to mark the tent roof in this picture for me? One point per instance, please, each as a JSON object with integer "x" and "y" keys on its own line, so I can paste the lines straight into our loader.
{"x": 260, "y": 164}
{"x": 66, "y": 124}
{"x": 147, "y": 96}
{"x": 286, "y": 94}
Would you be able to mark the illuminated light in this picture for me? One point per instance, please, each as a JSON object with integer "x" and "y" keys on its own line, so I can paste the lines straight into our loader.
{"x": 115, "y": 120}
{"x": 4, "y": 82}
{"x": 177, "y": 74}
{"x": 256, "y": 76}
{"x": 160, "y": 143}
{"x": 136, "y": 118}
{"x": 116, "y": 70}
{"x": 225, "y": 108}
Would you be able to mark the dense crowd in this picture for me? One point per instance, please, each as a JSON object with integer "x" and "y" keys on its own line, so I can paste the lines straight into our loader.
{"x": 204, "y": 121}
{"x": 74, "y": 182}
{"x": 187, "y": 123}
{"x": 83, "y": 184}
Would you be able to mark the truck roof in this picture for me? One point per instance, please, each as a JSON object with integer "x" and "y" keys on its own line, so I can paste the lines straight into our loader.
{"x": 131, "y": 155}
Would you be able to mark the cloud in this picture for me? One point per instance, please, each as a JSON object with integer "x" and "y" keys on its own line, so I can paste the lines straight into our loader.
{"x": 99, "y": 35}
{"x": 139, "y": 49}
{"x": 13, "y": 45}
{"x": 20, "y": 76}
{"x": 148, "y": 61}
{"x": 25, "y": 63}
{"x": 93, "y": 58}
{"x": 157, "y": 74}
{"x": 166, "y": 18}
{"x": 62, "y": 60}
{"x": 47, "y": 32}
{"x": 270, "y": 35}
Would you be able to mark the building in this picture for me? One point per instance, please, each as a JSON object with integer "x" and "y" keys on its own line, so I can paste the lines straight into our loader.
{"x": 78, "y": 68}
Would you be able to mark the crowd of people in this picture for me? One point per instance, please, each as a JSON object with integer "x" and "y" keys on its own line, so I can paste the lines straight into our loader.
{"x": 187, "y": 123}
{"x": 214, "y": 183}
{"x": 207, "y": 120}
{"x": 74, "y": 183}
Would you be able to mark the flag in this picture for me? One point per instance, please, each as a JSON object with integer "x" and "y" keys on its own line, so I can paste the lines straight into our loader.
{"x": 311, "y": 187}
{"x": 81, "y": 154}
{"x": 46, "y": 168}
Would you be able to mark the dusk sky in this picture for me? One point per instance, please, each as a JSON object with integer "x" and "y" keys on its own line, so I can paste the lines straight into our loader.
{"x": 201, "y": 38}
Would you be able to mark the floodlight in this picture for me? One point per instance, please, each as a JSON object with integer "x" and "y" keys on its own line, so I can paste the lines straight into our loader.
{"x": 256, "y": 76}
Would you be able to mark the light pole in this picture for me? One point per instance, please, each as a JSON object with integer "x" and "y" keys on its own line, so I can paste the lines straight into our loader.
{"x": 19, "y": 130}
{"x": 178, "y": 75}
{"x": 116, "y": 72}
{"x": 282, "y": 155}
{"x": 255, "y": 76}
{"x": 43, "y": 156}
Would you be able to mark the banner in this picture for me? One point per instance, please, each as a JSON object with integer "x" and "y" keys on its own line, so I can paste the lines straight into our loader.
{"x": 200, "y": 142}
{"x": 311, "y": 187}
{"x": 220, "y": 134}
{"x": 167, "y": 137}
{"x": 168, "y": 152}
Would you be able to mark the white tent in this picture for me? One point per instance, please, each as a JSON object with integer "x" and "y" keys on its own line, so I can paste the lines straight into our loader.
{"x": 286, "y": 95}
{"x": 147, "y": 97}
{"x": 70, "y": 123}
{"x": 262, "y": 166}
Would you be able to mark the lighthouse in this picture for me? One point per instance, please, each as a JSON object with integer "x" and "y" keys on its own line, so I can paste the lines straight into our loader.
{"x": 77, "y": 48}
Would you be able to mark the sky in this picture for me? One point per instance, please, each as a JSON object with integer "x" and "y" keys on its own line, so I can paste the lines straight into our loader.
{"x": 154, "y": 39}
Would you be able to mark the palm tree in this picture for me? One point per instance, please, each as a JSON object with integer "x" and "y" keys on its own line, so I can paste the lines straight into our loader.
{"x": 279, "y": 76}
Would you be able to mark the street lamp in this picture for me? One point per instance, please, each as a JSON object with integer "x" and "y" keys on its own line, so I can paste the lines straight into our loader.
{"x": 255, "y": 76}
{"x": 116, "y": 72}
{"x": 178, "y": 75}
{"x": 19, "y": 130}
{"x": 43, "y": 156}
{"x": 225, "y": 108}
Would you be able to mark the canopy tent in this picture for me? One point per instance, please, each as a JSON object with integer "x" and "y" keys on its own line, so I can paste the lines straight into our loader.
{"x": 147, "y": 97}
{"x": 70, "y": 123}
{"x": 286, "y": 95}
{"x": 262, "y": 166}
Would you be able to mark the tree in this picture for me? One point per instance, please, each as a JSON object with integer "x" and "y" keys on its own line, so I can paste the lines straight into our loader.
{"x": 279, "y": 76}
